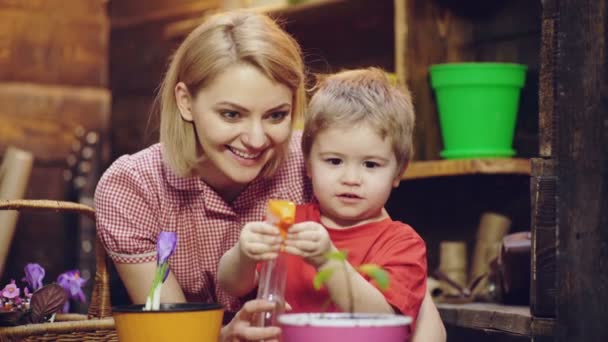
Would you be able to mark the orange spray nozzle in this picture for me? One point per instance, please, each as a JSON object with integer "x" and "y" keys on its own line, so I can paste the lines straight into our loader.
{"x": 281, "y": 214}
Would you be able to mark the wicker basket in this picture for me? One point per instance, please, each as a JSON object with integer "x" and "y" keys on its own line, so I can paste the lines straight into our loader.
{"x": 97, "y": 325}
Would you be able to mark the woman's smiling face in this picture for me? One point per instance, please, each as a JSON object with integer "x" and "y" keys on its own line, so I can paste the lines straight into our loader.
{"x": 242, "y": 120}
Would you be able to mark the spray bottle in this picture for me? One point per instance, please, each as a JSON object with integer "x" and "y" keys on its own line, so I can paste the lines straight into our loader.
{"x": 281, "y": 214}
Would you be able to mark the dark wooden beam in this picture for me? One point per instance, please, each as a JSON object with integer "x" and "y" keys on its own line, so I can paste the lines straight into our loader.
{"x": 581, "y": 109}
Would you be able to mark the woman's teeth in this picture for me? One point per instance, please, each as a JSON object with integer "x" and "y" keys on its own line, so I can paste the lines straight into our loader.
{"x": 245, "y": 155}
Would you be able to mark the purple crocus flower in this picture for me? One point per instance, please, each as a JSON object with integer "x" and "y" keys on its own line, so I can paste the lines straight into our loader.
{"x": 34, "y": 273}
{"x": 11, "y": 290}
{"x": 72, "y": 283}
{"x": 165, "y": 246}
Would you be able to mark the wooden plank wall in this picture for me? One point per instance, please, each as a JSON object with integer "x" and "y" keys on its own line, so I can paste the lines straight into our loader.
{"x": 139, "y": 54}
{"x": 581, "y": 154}
{"x": 53, "y": 82}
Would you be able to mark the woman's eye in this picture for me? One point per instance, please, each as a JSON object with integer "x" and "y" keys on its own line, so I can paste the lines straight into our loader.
{"x": 333, "y": 161}
{"x": 370, "y": 164}
{"x": 230, "y": 115}
{"x": 278, "y": 116}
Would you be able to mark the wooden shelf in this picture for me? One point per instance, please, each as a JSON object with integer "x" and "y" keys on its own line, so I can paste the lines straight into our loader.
{"x": 490, "y": 316}
{"x": 460, "y": 167}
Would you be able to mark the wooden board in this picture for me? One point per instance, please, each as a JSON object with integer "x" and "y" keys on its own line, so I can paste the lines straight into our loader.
{"x": 45, "y": 45}
{"x": 459, "y": 167}
{"x": 67, "y": 8}
{"x": 129, "y": 13}
{"x": 547, "y": 115}
{"x": 511, "y": 319}
{"x": 42, "y": 119}
{"x": 581, "y": 90}
{"x": 543, "y": 291}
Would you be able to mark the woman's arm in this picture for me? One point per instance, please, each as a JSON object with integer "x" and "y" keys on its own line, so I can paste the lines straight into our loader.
{"x": 429, "y": 327}
{"x": 137, "y": 279}
{"x": 259, "y": 241}
{"x": 236, "y": 272}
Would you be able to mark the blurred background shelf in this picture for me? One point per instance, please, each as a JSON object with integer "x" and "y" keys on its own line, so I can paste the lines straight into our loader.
{"x": 460, "y": 167}
{"x": 491, "y": 317}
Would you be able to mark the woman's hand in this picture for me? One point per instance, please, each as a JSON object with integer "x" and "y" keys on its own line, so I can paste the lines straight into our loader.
{"x": 260, "y": 241}
{"x": 241, "y": 329}
{"x": 309, "y": 240}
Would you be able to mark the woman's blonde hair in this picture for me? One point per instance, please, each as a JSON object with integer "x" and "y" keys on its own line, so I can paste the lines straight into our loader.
{"x": 362, "y": 96}
{"x": 224, "y": 40}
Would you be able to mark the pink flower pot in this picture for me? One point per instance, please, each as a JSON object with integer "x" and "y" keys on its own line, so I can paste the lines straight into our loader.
{"x": 328, "y": 327}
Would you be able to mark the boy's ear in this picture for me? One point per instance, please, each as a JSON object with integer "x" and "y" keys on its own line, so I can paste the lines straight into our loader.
{"x": 184, "y": 101}
{"x": 399, "y": 174}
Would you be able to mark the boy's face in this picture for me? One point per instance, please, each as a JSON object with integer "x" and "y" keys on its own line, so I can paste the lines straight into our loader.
{"x": 353, "y": 171}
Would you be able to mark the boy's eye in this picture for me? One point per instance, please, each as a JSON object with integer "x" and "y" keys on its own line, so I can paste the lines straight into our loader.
{"x": 278, "y": 116}
{"x": 333, "y": 161}
{"x": 370, "y": 164}
{"x": 230, "y": 114}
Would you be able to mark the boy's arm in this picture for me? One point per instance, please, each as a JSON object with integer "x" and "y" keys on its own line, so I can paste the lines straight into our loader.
{"x": 365, "y": 297}
{"x": 429, "y": 327}
{"x": 236, "y": 273}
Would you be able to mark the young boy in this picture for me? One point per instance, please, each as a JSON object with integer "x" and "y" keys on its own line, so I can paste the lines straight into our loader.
{"x": 357, "y": 142}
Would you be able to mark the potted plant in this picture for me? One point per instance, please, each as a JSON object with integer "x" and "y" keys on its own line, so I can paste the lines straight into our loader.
{"x": 167, "y": 322}
{"x": 348, "y": 326}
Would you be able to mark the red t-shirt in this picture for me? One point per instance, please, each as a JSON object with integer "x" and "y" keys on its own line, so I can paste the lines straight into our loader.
{"x": 393, "y": 245}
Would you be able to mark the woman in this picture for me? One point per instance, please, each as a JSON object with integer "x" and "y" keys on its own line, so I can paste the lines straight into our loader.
{"x": 228, "y": 102}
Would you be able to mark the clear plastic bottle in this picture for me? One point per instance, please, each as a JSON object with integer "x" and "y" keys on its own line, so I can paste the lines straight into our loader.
{"x": 273, "y": 273}
{"x": 272, "y": 288}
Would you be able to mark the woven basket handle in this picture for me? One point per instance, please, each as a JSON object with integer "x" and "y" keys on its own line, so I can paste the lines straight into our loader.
{"x": 100, "y": 305}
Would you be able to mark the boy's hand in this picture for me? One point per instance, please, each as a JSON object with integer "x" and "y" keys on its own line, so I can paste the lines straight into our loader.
{"x": 309, "y": 240}
{"x": 260, "y": 241}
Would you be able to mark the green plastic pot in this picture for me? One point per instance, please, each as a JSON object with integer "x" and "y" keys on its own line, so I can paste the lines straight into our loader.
{"x": 477, "y": 105}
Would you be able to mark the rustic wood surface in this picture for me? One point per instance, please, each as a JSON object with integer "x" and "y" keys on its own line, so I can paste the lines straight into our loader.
{"x": 511, "y": 319}
{"x": 544, "y": 183}
{"x": 581, "y": 93}
{"x": 42, "y": 119}
{"x": 54, "y": 42}
{"x": 546, "y": 98}
{"x": 132, "y": 13}
{"x": 459, "y": 167}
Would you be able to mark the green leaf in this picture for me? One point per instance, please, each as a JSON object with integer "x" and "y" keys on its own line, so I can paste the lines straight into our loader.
{"x": 321, "y": 278}
{"x": 375, "y": 272}
{"x": 337, "y": 255}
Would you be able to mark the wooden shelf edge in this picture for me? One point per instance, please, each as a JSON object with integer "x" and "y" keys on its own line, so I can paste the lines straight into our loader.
{"x": 461, "y": 167}
{"x": 488, "y": 316}
{"x": 180, "y": 29}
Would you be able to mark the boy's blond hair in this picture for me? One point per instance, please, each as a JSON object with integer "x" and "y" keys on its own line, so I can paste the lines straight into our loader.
{"x": 224, "y": 40}
{"x": 364, "y": 96}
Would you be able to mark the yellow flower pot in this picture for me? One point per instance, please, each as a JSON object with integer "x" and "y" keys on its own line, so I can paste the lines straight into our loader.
{"x": 185, "y": 322}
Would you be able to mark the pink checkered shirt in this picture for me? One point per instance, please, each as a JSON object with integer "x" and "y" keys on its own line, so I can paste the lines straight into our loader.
{"x": 139, "y": 196}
